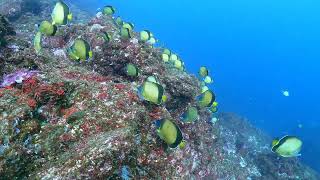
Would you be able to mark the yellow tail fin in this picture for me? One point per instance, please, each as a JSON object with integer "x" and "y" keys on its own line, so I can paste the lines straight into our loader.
{"x": 90, "y": 54}
{"x": 182, "y": 144}
{"x": 164, "y": 98}
{"x": 70, "y": 16}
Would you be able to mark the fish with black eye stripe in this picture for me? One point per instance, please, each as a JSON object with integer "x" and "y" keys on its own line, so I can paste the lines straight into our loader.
{"x": 287, "y": 146}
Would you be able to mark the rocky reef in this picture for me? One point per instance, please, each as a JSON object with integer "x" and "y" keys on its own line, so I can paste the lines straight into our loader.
{"x": 5, "y": 29}
{"x": 63, "y": 119}
{"x": 30, "y": 11}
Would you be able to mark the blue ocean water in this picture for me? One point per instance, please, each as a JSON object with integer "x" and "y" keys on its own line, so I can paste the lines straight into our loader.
{"x": 254, "y": 49}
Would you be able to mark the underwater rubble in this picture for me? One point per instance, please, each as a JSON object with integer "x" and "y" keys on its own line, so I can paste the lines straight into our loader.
{"x": 63, "y": 119}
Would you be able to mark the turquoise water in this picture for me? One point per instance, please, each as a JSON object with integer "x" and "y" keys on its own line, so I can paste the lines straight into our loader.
{"x": 254, "y": 49}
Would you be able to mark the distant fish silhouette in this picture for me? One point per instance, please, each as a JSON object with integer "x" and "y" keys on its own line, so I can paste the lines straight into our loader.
{"x": 286, "y": 93}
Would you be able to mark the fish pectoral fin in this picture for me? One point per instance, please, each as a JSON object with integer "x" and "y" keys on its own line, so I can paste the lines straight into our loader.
{"x": 73, "y": 56}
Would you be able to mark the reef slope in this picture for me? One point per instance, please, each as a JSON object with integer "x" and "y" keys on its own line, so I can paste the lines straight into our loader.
{"x": 71, "y": 120}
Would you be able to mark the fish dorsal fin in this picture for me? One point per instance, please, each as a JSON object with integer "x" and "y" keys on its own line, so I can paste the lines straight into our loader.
{"x": 284, "y": 138}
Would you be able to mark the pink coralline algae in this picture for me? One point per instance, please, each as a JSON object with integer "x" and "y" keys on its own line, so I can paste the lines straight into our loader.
{"x": 17, "y": 77}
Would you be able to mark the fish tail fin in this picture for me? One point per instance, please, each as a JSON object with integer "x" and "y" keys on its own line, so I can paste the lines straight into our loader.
{"x": 182, "y": 144}
{"x": 164, "y": 98}
{"x": 183, "y": 117}
{"x": 70, "y": 16}
{"x": 90, "y": 54}
{"x": 140, "y": 89}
